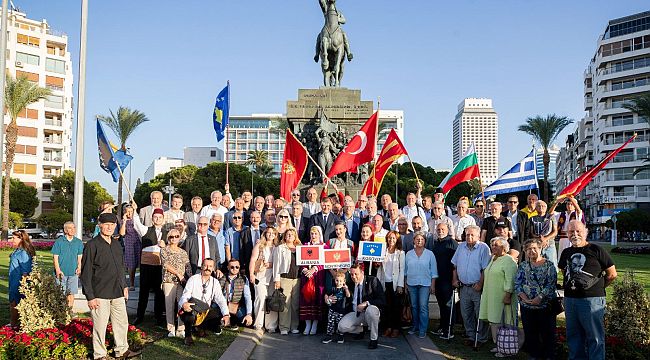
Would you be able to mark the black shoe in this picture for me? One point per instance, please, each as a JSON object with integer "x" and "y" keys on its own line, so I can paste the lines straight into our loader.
{"x": 130, "y": 354}
{"x": 359, "y": 336}
{"x": 189, "y": 341}
{"x": 372, "y": 344}
{"x": 138, "y": 321}
{"x": 327, "y": 339}
{"x": 438, "y": 332}
{"x": 339, "y": 338}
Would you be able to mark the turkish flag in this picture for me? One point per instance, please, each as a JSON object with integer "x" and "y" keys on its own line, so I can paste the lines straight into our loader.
{"x": 390, "y": 152}
{"x": 294, "y": 165}
{"x": 360, "y": 149}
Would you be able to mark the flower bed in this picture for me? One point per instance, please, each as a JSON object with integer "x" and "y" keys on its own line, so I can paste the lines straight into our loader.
{"x": 615, "y": 347}
{"x": 38, "y": 245}
{"x": 72, "y": 341}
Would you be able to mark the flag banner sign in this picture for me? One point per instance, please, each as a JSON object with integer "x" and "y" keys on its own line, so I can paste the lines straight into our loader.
{"x": 522, "y": 176}
{"x": 392, "y": 150}
{"x": 337, "y": 259}
{"x": 465, "y": 170}
{"x": 309, "y": 255}
{"x": 221, "y": 112}
{"x": 360, "y": 149}
{"x": 294, "y": 165}
{"x": 372, "y": 251}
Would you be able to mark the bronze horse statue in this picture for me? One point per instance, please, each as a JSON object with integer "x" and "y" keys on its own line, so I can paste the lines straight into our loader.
{"x": 332, "y": 44}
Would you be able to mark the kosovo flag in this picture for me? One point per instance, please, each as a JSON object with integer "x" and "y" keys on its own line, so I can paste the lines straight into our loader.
{"x": 108, "y": 159}
{"x": 221, "y": 113}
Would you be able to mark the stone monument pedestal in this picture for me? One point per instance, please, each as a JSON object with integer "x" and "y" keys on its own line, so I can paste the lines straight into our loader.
{"x": 324, "y": 120}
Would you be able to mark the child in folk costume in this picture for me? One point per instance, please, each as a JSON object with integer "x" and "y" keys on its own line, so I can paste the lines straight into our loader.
{"x": 312, "y": 287}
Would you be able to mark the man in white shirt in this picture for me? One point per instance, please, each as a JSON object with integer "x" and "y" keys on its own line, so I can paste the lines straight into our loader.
{"x": 147, "y": 211}
{"x": 215, "y": 206}
{"x": 175, "y": 212}
{"x": 461, "y": 220}
{"x": 312, "y": 206}
{"x": 205, "y": 288}
{"x": 380, "y": 232}
{"x": 393, "y": 216}
{"x": 412, "y": 210}
{"x": 192, "y": 217}
{"x": 438, "y": 216}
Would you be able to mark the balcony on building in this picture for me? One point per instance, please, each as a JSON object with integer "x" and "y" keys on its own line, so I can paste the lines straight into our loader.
{"x": 53, "y": 156}
{"x": 53, "y": 119}
{"x": 52, "y": 138}
{"x": 49, "y": 172}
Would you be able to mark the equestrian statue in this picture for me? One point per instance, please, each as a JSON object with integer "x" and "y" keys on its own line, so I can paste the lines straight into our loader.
{"x": 332, "y": 45}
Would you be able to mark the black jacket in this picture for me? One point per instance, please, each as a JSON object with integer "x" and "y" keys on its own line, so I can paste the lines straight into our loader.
{"x": 372, "y": 292}
{"x": 303, "y": 229}
{"x": 328, "y": 228}
{"x": 246, "y": 248}
{"x": 522, "y": 225}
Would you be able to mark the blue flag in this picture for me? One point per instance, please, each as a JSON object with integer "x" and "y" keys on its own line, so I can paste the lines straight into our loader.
{"x": 108, "y": 159}
{"x": 221, "y": 113}
{"x": 522, "y": 176}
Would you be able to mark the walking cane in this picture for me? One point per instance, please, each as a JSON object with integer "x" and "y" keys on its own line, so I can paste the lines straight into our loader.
{"x": 451, "y": 315}
{"x": 478, "y": 324}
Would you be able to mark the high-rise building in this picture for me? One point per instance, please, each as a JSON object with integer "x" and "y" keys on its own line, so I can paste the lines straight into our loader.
{"x": 553, "y": 152}
{"x": 477, "y": 122}
{"x": 619, "y": 70}
{"x": 40, "y": 53}
{"x": 261, "y": 132}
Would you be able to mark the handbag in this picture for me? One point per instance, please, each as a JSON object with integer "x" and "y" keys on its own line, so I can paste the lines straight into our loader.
{"x": 199, "y": 309}
{"x": 276, "y": 301}
{"x": 508, "y": 335}
{"x": 557, "y": 304}
{"x": 308, "y": 290}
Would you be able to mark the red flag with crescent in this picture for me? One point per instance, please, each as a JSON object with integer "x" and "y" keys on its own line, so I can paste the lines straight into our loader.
{"x": 390, "y": 152}
{"x": 360, "y": 149}
{"x": 294, "y": 165}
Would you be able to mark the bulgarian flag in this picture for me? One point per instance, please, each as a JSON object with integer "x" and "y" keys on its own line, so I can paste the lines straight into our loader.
{"x": 465, "y": 170}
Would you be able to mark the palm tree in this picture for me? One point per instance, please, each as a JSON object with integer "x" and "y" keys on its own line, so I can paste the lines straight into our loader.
{"x": 123, "y": 125}
{"x": 641, "y": 106}
{"x": 544, "y": 131}
{"x": 19, "y": 93}
{"x": 259, "y": 159}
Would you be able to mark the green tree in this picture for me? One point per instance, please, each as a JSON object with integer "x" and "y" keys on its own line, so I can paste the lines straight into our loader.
{"x": 15, "y": 221}
{"x": 641, "y": 106}
{"x": 19, "y": 93}
{"x": 23, "y": 199}
{"x": 123, "y": 125}
{"x": 260, "y": 161}
{"x": 544, "y": 130}
{"x": 63, "y": 195}
{"x": 53, "y": 221}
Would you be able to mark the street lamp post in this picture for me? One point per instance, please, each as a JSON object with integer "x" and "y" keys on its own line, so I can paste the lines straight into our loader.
{"x": 169, "y": 190}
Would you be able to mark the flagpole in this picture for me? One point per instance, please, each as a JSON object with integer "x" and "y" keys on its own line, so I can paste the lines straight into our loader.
{"x": 226, "y": 129}
{"x": 396, "y": 179}
{"x": 329, "y": 181}
{"x": 78, "y": 201}
{"x": 413, "y": 167}
{"x": 119, "y": 168}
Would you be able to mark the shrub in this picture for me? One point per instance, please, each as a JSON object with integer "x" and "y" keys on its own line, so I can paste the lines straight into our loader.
{"x": 45, "y": 305}
{"x": 628, "y": 314}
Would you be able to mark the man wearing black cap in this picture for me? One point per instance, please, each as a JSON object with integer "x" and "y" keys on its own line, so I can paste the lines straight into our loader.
{"x": 502, "y": 229}
{"x": 487, "y": 230}
{"x": 106, "y": 289}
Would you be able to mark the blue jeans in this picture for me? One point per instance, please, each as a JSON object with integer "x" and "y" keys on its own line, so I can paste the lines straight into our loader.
{"x": 420, "y": 308}
{"x": 585, "y": 327}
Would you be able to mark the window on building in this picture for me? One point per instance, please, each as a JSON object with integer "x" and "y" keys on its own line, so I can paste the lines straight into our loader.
{"x": 53, "y": 65}
{"x": 53, "y": 82}
{"x": 30, "y": 59}
{"x": 620, "y": 120}
{"x": 621, "y": 174}
{"x": 28, "y": 40}
{"x": 33, "y": 77}
{"x": 623, "y": 190}
{"x": 213, "y": 153}
{"x": 54, "y": 101}
{"x": 643, "y": 191}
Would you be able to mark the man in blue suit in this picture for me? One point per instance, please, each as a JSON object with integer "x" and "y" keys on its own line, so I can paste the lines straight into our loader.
{"x": 325, "y": 219}
{"x": 352, "y": 223}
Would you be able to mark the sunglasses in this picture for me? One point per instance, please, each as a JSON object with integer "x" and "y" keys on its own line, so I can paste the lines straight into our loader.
{"x": 234, "y": 267}
{"x": 236, "y": 217}
{"x": 205, "y": 288}
{"x": 295, "y": 194}
{"x": 283, "y": 216}
{"x": 513, "y": 202}
{"x": 479, "y": 206}
{"x": 173, "y": 236}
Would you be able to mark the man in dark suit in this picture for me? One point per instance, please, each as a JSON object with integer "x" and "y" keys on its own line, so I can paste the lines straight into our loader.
{"x": 325, "y": 219}
{"x": 191, "y": 217}
{"x": 301, "y": 223}
{"x": 352, "y": 223}
{"x": 368, "y": 300}
{"x": 201, "y": 246}
{"x": 518, "y": 219}
{"x": 248, "y": 238}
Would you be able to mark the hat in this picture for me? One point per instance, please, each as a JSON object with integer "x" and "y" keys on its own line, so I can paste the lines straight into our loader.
{"x": 502, "y": 223}
{"x": 158, "y": 211}
{"x": 107, "y": 218}
{"x": 439, "y": 191}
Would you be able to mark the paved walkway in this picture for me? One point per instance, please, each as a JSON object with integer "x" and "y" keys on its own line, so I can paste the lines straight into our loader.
{"x": 274, "y": 346}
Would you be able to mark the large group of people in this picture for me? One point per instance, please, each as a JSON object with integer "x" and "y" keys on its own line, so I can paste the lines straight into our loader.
{"x": 216, "y": 265}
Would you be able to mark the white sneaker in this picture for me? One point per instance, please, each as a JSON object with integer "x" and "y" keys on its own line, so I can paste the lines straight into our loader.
{"x": 171, "y": 334}
{"x": 295, "y": 331}
{"x": 180, "y": 334}
{"x": 284, "y": 332}
{"x": 494, "y": 350}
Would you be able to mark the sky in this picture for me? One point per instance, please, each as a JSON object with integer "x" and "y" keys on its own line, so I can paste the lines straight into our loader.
{"x": 170, "y": 59}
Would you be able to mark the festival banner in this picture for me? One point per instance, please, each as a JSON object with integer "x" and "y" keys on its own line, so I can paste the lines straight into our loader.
{"x": 337, "y": 259}
{"x": 372, "y": 251}
{"x": 392, "y": 150}
{"x": 309, "y": 255}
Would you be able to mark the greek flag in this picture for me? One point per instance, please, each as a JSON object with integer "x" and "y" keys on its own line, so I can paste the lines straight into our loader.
{"x": 522, "y": 176}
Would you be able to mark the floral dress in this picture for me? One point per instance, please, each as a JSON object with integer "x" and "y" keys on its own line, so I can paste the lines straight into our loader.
{"x": 536, "y": 280}
{"x": 177, "y": 259}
